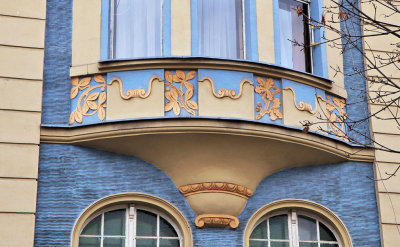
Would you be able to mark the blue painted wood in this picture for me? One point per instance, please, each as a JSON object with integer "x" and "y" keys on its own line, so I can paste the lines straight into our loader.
{"x": 167, "y": 28}
{"x": 105, "y": 30}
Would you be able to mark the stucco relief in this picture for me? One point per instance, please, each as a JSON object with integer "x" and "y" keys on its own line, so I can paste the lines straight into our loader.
{"x": 268, "y": 90}
{"x": 223, "y": 92}
{"x": 135, "y": 93}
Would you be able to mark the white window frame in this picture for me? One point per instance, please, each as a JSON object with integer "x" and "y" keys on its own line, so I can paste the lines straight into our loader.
{"x": 131, "y": 225}
{"x": 112, "y": 29}
{"x": 293, "y": 228}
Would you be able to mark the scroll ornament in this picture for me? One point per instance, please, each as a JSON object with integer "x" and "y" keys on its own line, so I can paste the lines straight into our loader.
{"x": 303, "y": 106}
{"x": 87, "y": 105}
{"x": 267, "y": 90}
{"x": 216, "y": 220}
{"x": 180, "y": 97}
{"x": 135, "y": 93}
{"x": 223, "y": 92}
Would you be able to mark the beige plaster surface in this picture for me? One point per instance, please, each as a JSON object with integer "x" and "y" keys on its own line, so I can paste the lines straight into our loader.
{"x": 19, "y": 160}
{"x": 17, "y": 230}
{"x": 216, "y": 203}
{"x": 389, "y": 70}
{"x": 152, "y": 106}
{"x": 390, "y": 141}
{"x": 86, "y": 32}
{"x": 380, "y": 43}
{"x": 382, "y": 94}
{"x": 389, "y": 208}
{"x": 18, "y": 195}
{"x": 383, "y": 122}
{"x": 20, "y": 94}
{"x": 210, "y": 106}
{"x": 22, "y": 32}
{"x": 19, "y": 127}
{"x": 24, "y": 8}
{"x": 26, "y": 63}
{"x": 265, "y": 31}
{"x": 380, "y": 13}
{"x": 390, "y": 235}
{"x": 180, "y": 28}
{"x": 389, "y": 185}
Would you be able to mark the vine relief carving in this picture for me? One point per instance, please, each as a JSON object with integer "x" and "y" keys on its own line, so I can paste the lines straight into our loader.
{"x": 226, "y": 92}
{"x": 303, "y": 106}
{"x": 135, "y": 93}
{"x": 89, "y": 103}
{"x": 267, "y": 90}
{"x": 216, "y": 220}
{"x": 180, "y": 97}
{"x": 229, "y": 188}
{"x": 336, "y": 121}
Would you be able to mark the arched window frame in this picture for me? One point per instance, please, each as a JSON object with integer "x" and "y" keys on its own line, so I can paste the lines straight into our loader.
{"x": 307, "y": 208}
{"x": 142, "y": 201}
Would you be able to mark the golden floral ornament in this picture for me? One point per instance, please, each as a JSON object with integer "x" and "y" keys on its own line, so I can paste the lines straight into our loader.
{"x": 267, "y": 90}
{"x": 180, "y": 97}
{"x": 336, "y": 121}
{"x": 216, "y": 220}
{"x": 135, "y": 93}
{"x": 234, "y": 189}
{"x": 222, "y": 92}
{"x": 89, "y": 102}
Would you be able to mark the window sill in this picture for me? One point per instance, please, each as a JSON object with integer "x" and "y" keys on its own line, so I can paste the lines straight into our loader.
{"x": 209, "y": 63}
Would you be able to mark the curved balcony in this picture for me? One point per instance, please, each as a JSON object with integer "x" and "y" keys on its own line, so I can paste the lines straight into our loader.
{"x": 216, "y": 127}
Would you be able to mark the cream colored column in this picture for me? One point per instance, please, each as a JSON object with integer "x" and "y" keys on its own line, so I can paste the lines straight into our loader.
{"x": 180, "y": 28}
{"x": 387, "y": 133}
{"x": 22, "y": 25}
{"x": 265, "y": 31}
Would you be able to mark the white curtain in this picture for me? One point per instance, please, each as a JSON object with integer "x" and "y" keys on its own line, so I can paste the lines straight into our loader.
{"x": 220, "y": 28}
{"x": 137, "y": 26}
{"x": 291, "y": 28}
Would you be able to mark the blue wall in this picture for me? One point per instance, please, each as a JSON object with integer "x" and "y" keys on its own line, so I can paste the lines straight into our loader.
{"x": 72, "y": 177}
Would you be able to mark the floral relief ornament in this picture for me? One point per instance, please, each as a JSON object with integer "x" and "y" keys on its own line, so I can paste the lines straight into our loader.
{"x": 87, "y": 100}
{"x": 336, "y": 123}
{"x": 267, "y": 90}
{"x": 179, "y": 97}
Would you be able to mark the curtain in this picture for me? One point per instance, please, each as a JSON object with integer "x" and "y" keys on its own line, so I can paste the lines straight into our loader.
{"x": 220, "y": 27}
{"x": 137, "y": 26}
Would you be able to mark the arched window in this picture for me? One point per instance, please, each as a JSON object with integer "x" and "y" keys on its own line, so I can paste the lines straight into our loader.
{"x": 295, "y": 223}
{"x": 131, "y": 220}
{"x": 291, "y": 228}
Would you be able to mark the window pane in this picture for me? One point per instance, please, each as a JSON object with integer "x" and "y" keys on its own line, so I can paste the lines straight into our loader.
{"x": 146, "y": 242}
{"x": 308, "y": 244}
{"x": 169, "y": 242}
{"x": 254, "y": 243}
{"x": 89, "y": 242}
{"x": 113, "y": 242}
{"x": 261, "y": 231}
{"x": 93, "y": 227}
{"x": 137, "y": 28}
{"x": 279, "y": 244}
{"x": 279, "y": 227}
{"x": 114, "y": 222}
{"x": 220, "y": 25}
{"x": 329, "y": 245}
{"x": 166, "y": 229}
{"x": 291, "y": 27}
{"x": 325, "y": 234}
{"x": 146, "y": 223}
{"x": 307, "y": 228}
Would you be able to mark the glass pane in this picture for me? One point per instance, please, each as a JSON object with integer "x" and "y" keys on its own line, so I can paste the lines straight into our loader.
{"x": 279, "y": 227}
{"x": 169, "y": 242}
{"x": 307, "y": 228}
{"x": 114, "y": 242}
{"x": 133, "y": 17}
{"x": 89, "y": 242}
{"x": 114, "y": 222}
{"x": 220, "y": 28}
{"x": 146, "y": 242}
{"x": 329, "y": 245}
{"x": 146, "y": 223}
{"x": 325, "y": 234}
{"x": 93, "y": 228}
{"x": 254, "y": 243}
{"x": 166, "y": 229}
{"x": 261, "y": 231}
{"x": 308, "y": 244}
{"x": 279, "y": 244}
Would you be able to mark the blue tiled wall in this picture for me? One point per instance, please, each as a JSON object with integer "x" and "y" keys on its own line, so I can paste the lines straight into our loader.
{"x": 71, "y": 178}
{"x": 57, "y": 61}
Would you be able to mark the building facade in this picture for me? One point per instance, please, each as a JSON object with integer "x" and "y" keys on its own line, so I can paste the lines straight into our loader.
{"x": 181, "y": 123}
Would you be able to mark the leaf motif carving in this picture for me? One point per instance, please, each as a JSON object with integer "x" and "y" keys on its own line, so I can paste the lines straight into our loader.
{"x": 181, "y": 75}
{"x": 78, "y": 116}
{"x": 99, "y": 78}
{"x": 85, "y": 81}
{"x": 176, "y": 108}
{"x": 267, "y": 90}
{"x": 168, "y": 106}
{"x": 192, "y": 104}
{"x": 74, "y": 81}
{"x": 93, "y": 96}
{"x": 74, "y": 92}
{"x": 102, "y": 98}
{"x": 72, "y": 117}
{"x": 92, "y": 105}
{"x": 101, "y": 113}
{"x": 168, "y": 76}
{"x": 190, "y": 75}
{"x": 85, "y": 108}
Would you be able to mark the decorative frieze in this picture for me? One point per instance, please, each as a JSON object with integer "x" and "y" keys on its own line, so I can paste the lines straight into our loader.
{"x": 135, "y": 93}
{"x": 222, "y": 92}
{"x": 217, "y": 220}
{"x": 238, "y": 190}
{"x": 267, "y": 90}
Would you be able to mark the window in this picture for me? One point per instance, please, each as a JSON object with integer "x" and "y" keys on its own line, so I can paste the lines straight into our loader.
{"x": 295, "y": 35}
{"x": 135, "y": 28}
{"x": 129, "y": 226}
{"x": 220, "y": 28}
{"x": 292, "y": 229}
